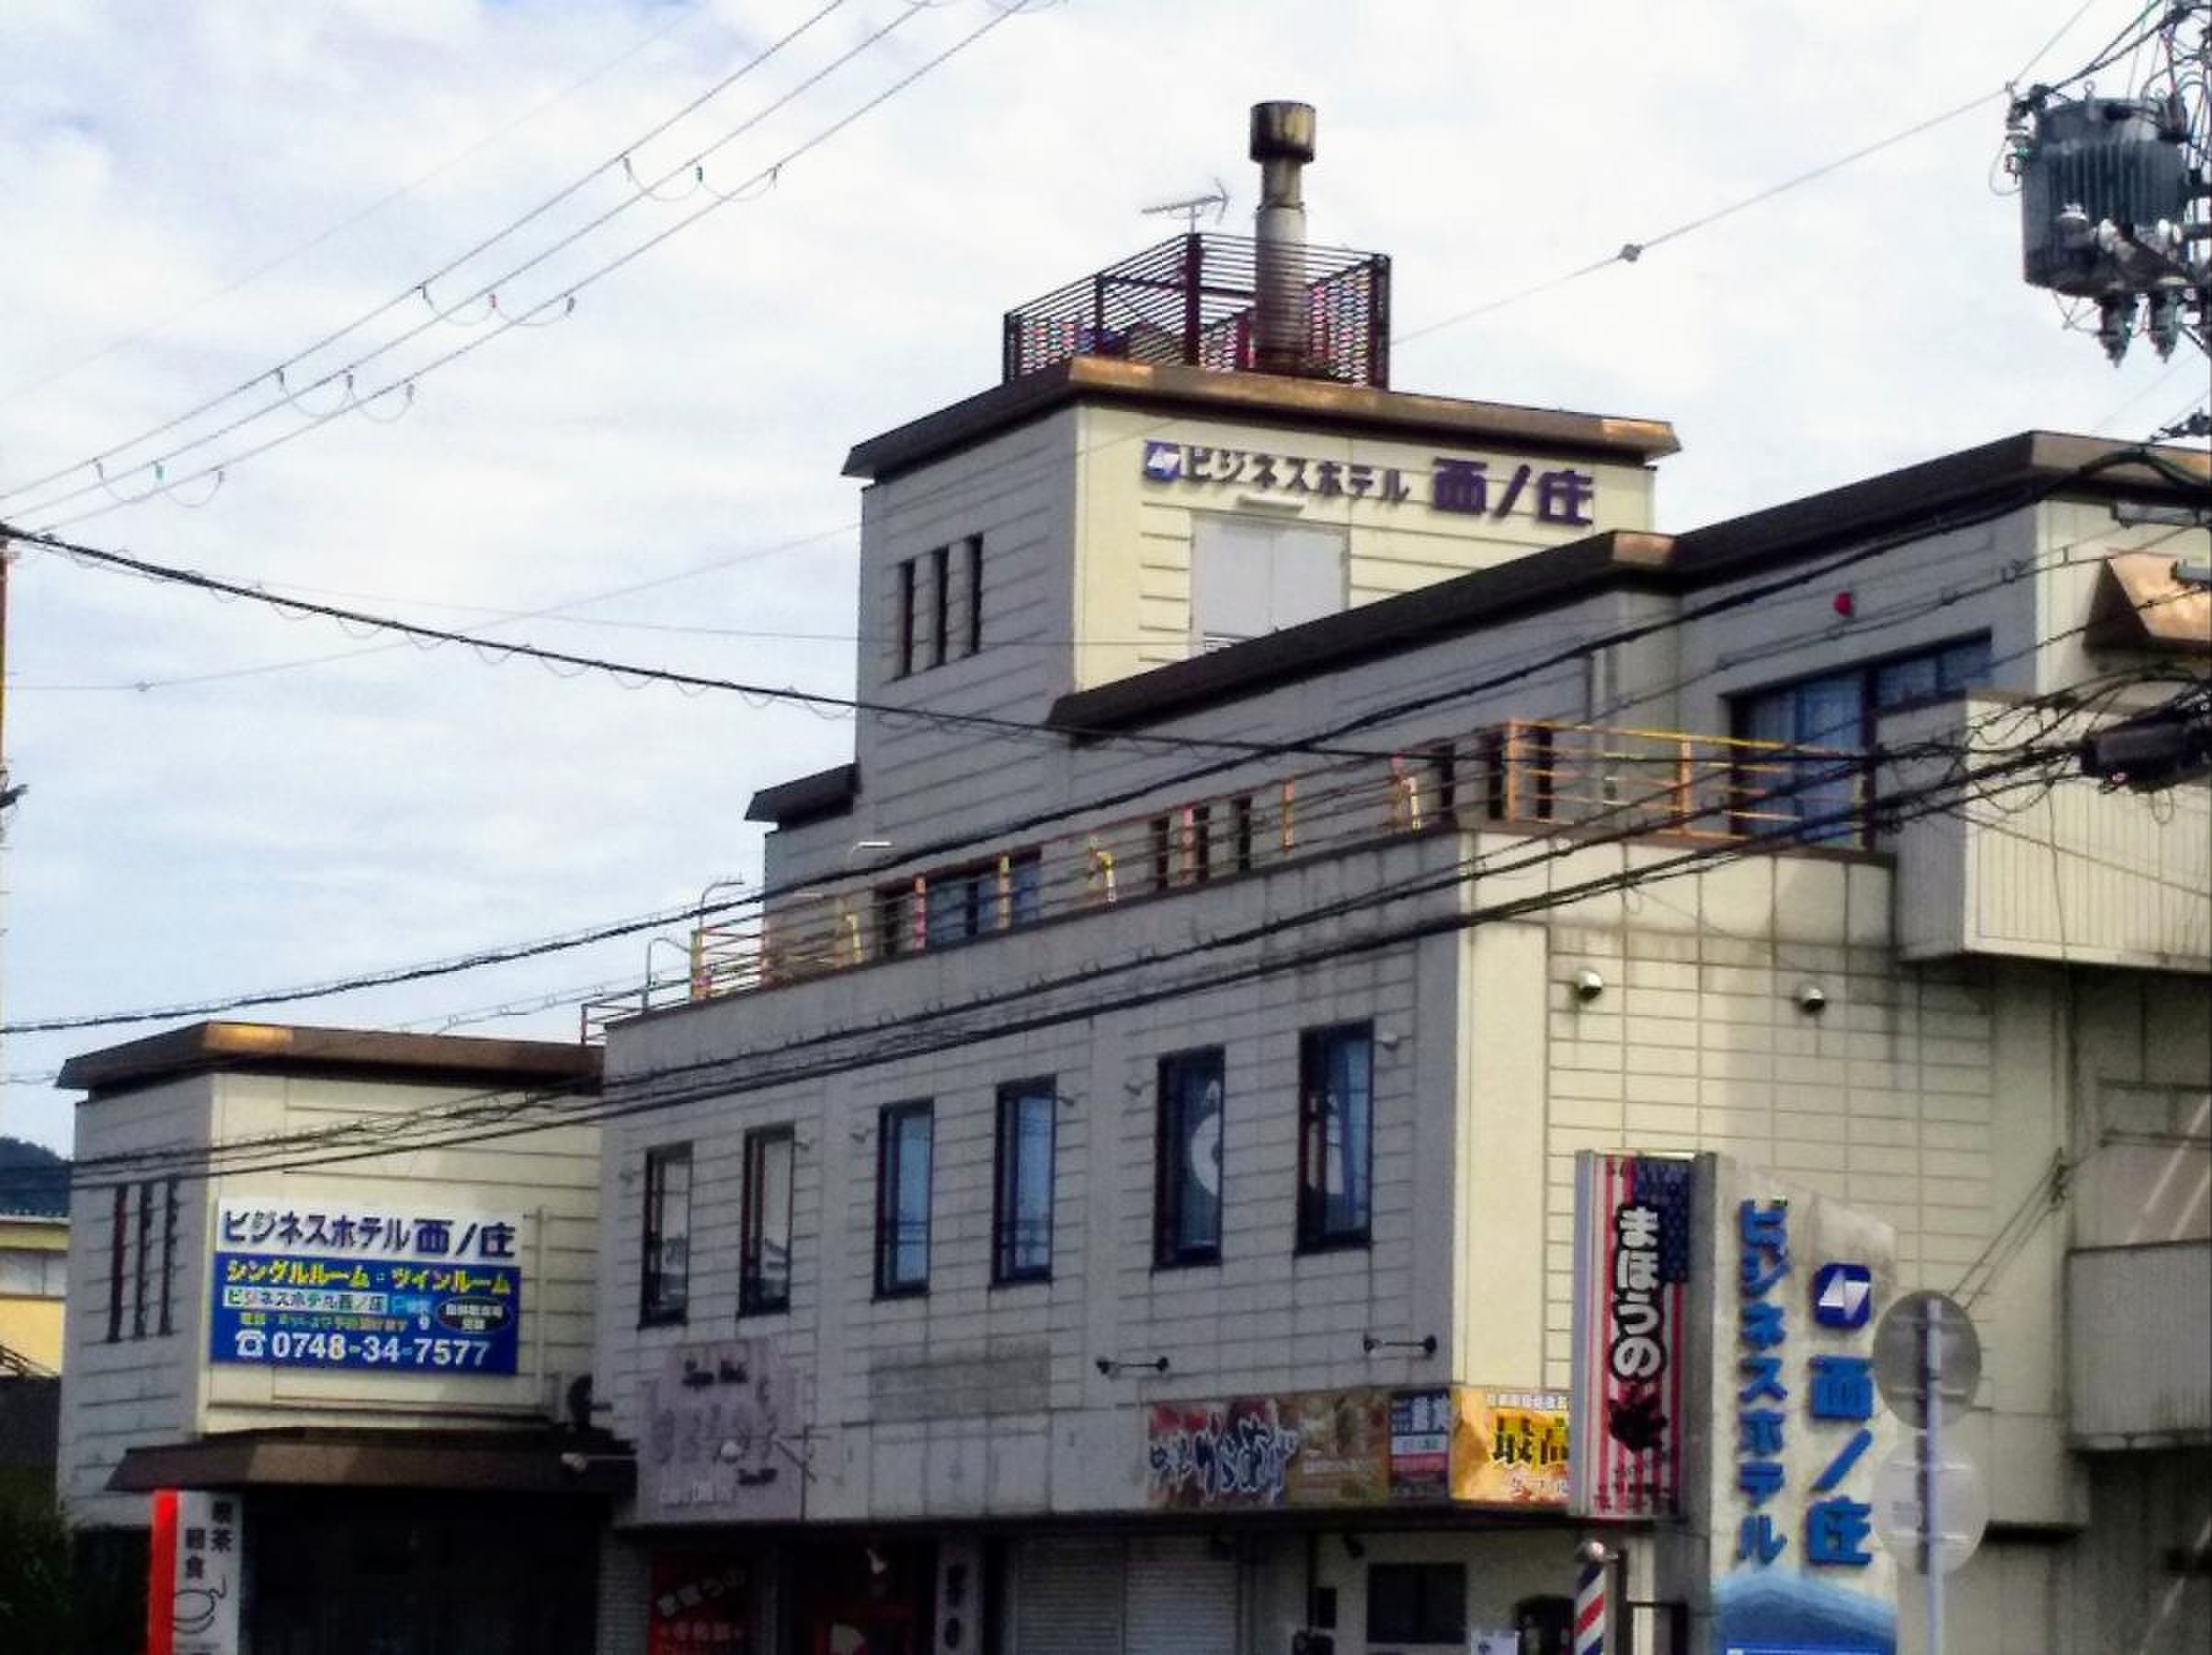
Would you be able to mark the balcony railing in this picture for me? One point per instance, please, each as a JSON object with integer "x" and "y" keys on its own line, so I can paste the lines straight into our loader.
{"x": 1520, "y": 773}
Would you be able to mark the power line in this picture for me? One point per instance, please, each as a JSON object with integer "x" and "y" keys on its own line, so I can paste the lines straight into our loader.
{"x": 501, "y": 649}
{"x": 685, "y": 13}
{"x": 539, "y": 313}
{"x": 423, "y": 282}
{"x": 1630, "y": 251}
{"x": 1030, "y": 821}
{"x": 751, "y": 1071}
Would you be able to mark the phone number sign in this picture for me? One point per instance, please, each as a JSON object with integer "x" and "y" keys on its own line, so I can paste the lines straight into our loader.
{"x": 398, "y": 1315}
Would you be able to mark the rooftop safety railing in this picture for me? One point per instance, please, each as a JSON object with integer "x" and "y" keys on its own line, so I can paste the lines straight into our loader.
{"x": 1523, "y": 773}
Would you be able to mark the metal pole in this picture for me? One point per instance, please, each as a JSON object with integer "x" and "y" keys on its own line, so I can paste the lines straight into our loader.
{"x": 1931, "y": 1464}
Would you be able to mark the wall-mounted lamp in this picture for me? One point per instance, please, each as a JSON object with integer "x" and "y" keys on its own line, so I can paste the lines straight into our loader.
{"x": 1812, "y": 999}
{"x": 1425, "y": 1345}
{"x": 878, "y": 1564}
{"x": 1354, "y": 1548}
{"x": 1388, "y": 1039}
{"x": 1113, "y": 1368}
{"x": 1589, "y": 985}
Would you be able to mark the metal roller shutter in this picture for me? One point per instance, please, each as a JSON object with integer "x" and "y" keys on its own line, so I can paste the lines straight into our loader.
{"x": 1068, "y": 1598}
{"x": 1181, "y": 1599}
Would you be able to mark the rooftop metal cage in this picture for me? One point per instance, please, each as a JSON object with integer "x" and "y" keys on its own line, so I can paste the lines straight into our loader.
{"x": 1191, "y": 299}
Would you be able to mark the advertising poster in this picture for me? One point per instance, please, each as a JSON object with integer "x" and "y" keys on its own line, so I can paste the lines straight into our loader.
{"x": 698, "y": 1605}
{"x": 195, "y": 1558}
{"x": 1299, "y": 1448}
{"x": 1421, "y": 1444}
{"x": 1632, "y": 1269}
{"x": 1509, "y": 1448}
{"x": 332, "y": 1283}
{"x": 725, "y": 1436}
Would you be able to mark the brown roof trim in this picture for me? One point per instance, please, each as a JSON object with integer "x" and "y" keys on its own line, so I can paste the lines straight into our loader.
{"x": 1405, "y": 622}
{"x": 369, "y": 1053}
{"x": 2017, "y": 466}
{"x": 1263, "y": 397}
{"x": 814, "y": 798}
{"x": 495, "y": 1462}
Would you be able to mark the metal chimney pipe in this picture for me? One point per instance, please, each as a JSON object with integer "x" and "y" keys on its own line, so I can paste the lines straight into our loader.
{"x": 1282, "y": 142}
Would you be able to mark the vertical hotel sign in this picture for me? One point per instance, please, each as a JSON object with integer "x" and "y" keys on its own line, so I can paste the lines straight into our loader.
{"x": 1631, "y": 1272}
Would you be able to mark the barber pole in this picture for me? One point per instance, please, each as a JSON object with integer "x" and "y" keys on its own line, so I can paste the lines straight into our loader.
{"x": 1590, "y": 1610}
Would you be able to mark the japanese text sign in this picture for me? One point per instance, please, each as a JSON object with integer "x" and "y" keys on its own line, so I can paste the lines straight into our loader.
{"x": 195, "y": 1559}
{"x": 1632, "y": 1266}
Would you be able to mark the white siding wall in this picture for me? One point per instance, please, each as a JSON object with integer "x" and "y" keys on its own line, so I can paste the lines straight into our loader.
{"x": 135, "y": 1391}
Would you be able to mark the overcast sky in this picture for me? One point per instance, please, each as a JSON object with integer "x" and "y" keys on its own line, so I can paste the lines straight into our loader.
{"x": 222, "y": 799}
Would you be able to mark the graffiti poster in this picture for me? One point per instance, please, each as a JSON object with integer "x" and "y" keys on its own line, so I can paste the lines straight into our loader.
{"x": 1299, "y": 1448}
{"x": 724, "y": 1439}
{"x": 1632, "y": 1269}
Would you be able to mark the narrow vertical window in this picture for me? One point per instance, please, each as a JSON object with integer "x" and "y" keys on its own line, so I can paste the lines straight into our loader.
{"x": 1240, "y": 830}
{"x": 1335, "y": 1135}
{"x": 1022, "y": 1222}
{"x": 145, "y": 1252}
{"x": 902, "y": 1199}
{"x": 169, "y": 1254}
{"x": 666, "y": 1278}
{"x": 1187, "y": 1223}
{"x": 764, "y": 1244}
{"x": 118, "y": 1243}
{"x": 941, "y": 603}
{"x": 975, "y": 558}
{"x": 1163, "y": 859}
{"x": 906, "y": 618}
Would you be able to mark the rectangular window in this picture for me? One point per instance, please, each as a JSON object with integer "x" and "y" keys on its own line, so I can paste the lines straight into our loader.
{"x": 764, "y": 1237}
{"x": 906, "y": 618}
{"x": 145, "y": 1254}
{"x": 1187, "y": 1205}
{"x": 1240, "y": 830}
{"x": 168, "y": 1254}
{"x": 1335, "y": 1135}
{"x": 1416, "y": 1602}
{"x": 119, "y": 1244}
{"x": 1251, "y": 576}
{"x": 1836, "y": 710}
{"x": 1022, "y": 1208}
{"x": 974, "y": 557}
{"x": 961, "y": 903}
{"x": 665, "y": 1289}
{"x": 940, "y": 598}
{"x": 902, "y": 1199}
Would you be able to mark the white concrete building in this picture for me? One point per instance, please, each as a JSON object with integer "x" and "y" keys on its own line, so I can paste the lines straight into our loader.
{"x": 367, "y": 1366}
{"x": 1116, "y": 1196}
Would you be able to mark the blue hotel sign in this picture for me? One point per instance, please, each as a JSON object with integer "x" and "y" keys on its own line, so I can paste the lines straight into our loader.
{"x": 331, "y": 1285}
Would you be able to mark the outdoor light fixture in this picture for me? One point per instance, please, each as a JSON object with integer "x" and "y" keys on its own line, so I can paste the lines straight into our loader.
{"x": 1589, "y": 985}
{"x": 1812, "y": 999}
{"x": 1113, "y": 1368}
{"x": 1425, "y": 1345}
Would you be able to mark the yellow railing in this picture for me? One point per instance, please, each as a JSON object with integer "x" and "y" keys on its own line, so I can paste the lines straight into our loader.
{"x": 1520, "y": 773}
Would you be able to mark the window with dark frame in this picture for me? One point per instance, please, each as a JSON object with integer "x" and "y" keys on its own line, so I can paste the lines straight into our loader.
{"x": 1336, "y": 1136}
{"x": 169, "y": 1254}
{"x": 940, "y": 601}
{"x": 119, "y": 1245}
{"x": 1838, "y": 711}
{"x": 974, "y": 546}
{"x": 1021, "y": 1208}
{"x": 1187, "y": 1205}
{"x": 764, "y": 1233}
{"x": 902, "y": 1199}
{"x": 664, "y": 1287}
{"x": 1416, "y": 1602}
{"x": 906, "y": 618}
{"x": 145, "y": 1251}
{"x": 962, "y": 903}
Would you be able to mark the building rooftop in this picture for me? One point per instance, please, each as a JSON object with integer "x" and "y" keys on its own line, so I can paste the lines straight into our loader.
{"x": 355, "y": 1054}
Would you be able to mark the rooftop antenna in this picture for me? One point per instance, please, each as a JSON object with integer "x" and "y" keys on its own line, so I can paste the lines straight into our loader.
{"x": 1193, "y": 208}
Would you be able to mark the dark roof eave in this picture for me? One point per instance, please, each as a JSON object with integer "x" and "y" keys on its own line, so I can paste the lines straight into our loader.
{"x": 1271, "y": 398}
{"x": 814, "y": 798}
{"x": 2025, "y": 467}
{"x": 526, "y": 1461}
{"x": 369, "y": 1053}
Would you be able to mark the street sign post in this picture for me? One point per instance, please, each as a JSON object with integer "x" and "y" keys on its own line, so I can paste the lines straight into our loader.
{"x": 1927, "y": 1362}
